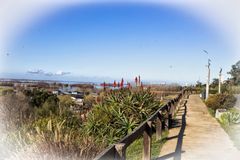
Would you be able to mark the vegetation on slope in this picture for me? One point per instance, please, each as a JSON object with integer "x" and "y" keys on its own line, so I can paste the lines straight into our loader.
{"x": 46, "y": 121}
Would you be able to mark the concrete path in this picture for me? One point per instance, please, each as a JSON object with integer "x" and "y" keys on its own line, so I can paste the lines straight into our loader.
{"x": 196, "y": 135}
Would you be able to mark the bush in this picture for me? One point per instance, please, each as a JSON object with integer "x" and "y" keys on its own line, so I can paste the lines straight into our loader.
{"x": 223, "y": 101}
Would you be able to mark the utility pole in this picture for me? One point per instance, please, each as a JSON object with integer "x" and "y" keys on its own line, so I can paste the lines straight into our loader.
{"x": 208, "y": 79}
{"x": 219, "y": 81}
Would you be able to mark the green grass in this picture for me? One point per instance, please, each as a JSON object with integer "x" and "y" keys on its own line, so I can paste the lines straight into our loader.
{"x": 134, "y": 151}
{"x": 1, "y": 89}
{"x": 211, "y": 112}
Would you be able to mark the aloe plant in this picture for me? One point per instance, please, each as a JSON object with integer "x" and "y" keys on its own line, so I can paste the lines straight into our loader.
{"x": 120, "y": 112}
{"x": 230, "y": 118}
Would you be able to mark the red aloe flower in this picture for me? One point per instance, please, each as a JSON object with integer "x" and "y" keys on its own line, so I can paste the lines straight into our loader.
{"x": 122, "y": 83}
{"x": 136, "y": 80}
{"x": 114, "y": 84}
{"x": 129, "y": 85}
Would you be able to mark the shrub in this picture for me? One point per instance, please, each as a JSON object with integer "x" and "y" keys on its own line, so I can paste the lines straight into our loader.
{"x": 223, "y": 101}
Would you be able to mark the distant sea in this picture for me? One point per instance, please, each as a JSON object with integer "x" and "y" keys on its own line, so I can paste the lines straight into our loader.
{"x": 47, "y": 81}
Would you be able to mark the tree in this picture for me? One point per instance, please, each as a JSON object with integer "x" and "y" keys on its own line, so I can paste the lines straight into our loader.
{"x": 49, "y": 107}
{"x": 199, "y": 87}
{"x": 199, "y": 84}
{"x": 235, "y": 74}
{"x": 37, "y": 97}
{"x": 215, "y": 83}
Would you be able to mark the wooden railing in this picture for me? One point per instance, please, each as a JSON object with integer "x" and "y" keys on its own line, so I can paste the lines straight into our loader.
{"x": 162, "y": 119}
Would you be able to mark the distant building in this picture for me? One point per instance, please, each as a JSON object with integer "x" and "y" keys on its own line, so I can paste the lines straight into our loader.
{"x": 57, "y": 92}
{"x": 78, "y": 101}
{"x": 77, "y": 95}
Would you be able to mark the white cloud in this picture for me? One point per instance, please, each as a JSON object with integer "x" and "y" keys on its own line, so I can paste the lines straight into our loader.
{"x": 41, "y": 72}
{"x": 61, "y": 73}
{"x": 36, "y": 71}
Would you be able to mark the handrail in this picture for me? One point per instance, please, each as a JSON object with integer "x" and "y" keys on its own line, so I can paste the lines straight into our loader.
{"x": 162, "y": 119}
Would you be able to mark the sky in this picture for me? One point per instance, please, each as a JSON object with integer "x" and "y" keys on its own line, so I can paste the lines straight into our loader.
{"x": 103, "y": 42}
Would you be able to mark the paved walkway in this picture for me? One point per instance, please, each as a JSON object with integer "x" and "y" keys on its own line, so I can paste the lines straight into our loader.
{"x": 196, "y": 135}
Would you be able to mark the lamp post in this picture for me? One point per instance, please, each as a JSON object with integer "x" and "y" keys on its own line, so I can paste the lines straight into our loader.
{"x": 208, "y": 80}
{"x": 208, "y": 76}
{"x": 219, "y": 81}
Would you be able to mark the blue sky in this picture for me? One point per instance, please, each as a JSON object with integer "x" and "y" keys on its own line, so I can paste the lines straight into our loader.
{"x": 106, "y": 41}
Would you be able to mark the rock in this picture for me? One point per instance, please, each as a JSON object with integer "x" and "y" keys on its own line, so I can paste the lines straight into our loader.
{"x": 219, "y": 112}
{"x": 237, "y": 105}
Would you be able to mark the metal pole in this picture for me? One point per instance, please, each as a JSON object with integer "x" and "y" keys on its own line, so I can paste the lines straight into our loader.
{"x": 219, "y": 81}
{"x": 208, "y": 80}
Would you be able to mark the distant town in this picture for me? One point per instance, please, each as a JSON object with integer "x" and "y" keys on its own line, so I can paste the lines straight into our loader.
{"x": 77, "y": 90}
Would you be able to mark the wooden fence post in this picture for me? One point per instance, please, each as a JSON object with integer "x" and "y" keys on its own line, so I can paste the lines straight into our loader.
{"x": 170, "y": 111}
{"x": 169, "y": 120}
{"x": 166, "y": 121}
{"x": 175, "y": 104}
{"x": 147, "y": 138}
{"x": 159, "y": 127}
{"x": 120, "y": 151}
